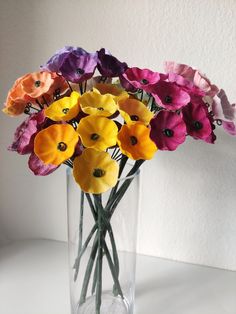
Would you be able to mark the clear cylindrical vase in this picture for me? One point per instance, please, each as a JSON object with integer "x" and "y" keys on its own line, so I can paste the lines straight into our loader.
{"x": 102, "y": 232}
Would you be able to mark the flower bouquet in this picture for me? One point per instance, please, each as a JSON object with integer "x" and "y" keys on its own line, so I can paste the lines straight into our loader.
{"x": 94, "y": 114}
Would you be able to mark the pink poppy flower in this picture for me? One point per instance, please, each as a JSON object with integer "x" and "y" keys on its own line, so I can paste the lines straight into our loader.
{"x": 141, "y": 78}
{"x": 197, "y": 120}
{"x": 169, "y": 96}
{"x": 222, "y": 108}
{"x": 38, "y": 167}
{"x": 202, "y": 82}
{"x": 181, "y": 69}
{"x": 229, "y": 127}
{"x": 168, "y": 130}
{"x": 24, "y": 136}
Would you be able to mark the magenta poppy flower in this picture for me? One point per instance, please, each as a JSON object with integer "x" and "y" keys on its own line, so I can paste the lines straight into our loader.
{"x": 197, "y": 120}
{"x": 108, "y": 65}
{"x": 78, "y": 68}
{"x": 24, "y": 136}
{"x": 168, "y": 130}
{"x": 170, "y": 96}
{"x": 38, "y": 167}
{"x": 141, "y": 78}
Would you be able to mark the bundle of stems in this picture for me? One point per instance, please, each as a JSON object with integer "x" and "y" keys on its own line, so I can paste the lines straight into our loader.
{"x": 102, "y": 226}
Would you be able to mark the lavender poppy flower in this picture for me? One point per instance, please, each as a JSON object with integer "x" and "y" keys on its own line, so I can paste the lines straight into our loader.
{"x": 78, "y": 68}
{"x": 55, "y": 62}
{"x": 168, "y": 130}
{"x": 108, "y": 65}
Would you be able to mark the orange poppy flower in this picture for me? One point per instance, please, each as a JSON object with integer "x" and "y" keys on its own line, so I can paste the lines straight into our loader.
{"x": 37, "y": 83}
{"x": 56, "y": 144}
{"x": 95, "y": 171}
{"x": 134, "y": 141}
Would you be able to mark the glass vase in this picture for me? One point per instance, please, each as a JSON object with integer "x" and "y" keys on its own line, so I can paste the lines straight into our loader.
{"x": 102, "y": 232}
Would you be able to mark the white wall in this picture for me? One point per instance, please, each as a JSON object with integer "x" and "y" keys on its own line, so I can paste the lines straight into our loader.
{"x": 189, "y": 199}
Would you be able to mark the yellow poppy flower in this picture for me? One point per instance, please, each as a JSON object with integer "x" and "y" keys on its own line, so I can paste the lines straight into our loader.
{"x": 117, "y": 93}
{"x": 94, "y": 171}
{"x": 136, "y": 111}
{"x": 64, "y": 109}
{"x": 97, "y": 132}
{"x": 134, "y": 141}
{"x": 56, "y": 143}
{"x": 96, "y": 104}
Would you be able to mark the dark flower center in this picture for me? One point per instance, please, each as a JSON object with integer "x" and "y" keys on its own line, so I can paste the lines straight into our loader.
{"x": 144, "y": 81}
{"x": 37, "y": 83}
{"x": 65, "y": 110}
{"x": 98, "y": 173}
{"x": 168, "y": 99}
{"x": 80, "y": 71}
{"x": 197, "y": 125}
{"x": 57, "y": 93}
{"x": 133, "y": 140}
{"x": 134, "y": 118}
{"x": 94, "y": 136}
{"x": 62, "y": 146}
{"x": 100, "y": 108}
{"x": 168, "y": 132}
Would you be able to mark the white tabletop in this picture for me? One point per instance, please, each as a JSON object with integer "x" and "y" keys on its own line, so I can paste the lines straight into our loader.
{"x": 34, "y": 280}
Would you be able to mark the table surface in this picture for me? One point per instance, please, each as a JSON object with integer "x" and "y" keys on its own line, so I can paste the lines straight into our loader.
{"x": 34, "y": 280}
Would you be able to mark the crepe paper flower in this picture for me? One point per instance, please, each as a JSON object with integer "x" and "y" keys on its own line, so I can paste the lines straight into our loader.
{"x": 36, "y": 84}
{"x": 222, "y": 109}
{"x": 58, "y": 88}
{"x": 108, "y": 65}
{"x": 134, "y": 141}
{"x": 197, "y": 121}
{"x": 38, "y": 167}
{"x": 195, "y": 76}
{"x": 136, "y": 111}
{"x": 116, "y": 92}
{"x": 141, "y": 78}
{"x": 97, "y": 132}
{"x": 127, "y": 86}
{"x": 168, "y": 130}
{"x": 13, "y": 108}
{"x": 229, "y": 127}
{"x": 184, "y": 70}
{"x": 97, "y": 104}
{"x": 55, "y": 62}
{"x": 24, "y": 136}
{"x": 78, "y": 68}
{"x": 95, "y": 171}
{"x": 169, "y": 95}
{"x": 64, "y": 109}
{"x": 55, "y": 144}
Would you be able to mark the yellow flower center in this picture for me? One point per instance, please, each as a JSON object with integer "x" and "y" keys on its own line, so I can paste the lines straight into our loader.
{"x": 133, "y": 140}
{"x": 62, "y": 146}
{"x": 98, "y": 173}
{"x": 94, "y": 136}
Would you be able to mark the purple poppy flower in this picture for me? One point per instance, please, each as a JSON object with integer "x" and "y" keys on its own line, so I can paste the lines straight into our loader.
{"x": 108, "y": 65}
{"x": 126, "y": 85}
{"x": 55, "y": 62}
{"x": 38, "y": 167}
{"x": 24, "y": 136}
{"x": 197, "y": 120}
{"x": 141, "y": 78}
{"x": 168, "y": 130}
{"x": 77, "y": 68}
{"x": 170, "y": 96}
{"x": 229, "y": 127}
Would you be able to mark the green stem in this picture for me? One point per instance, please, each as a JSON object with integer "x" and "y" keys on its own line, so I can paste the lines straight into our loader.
{"x": 100, "y": 256}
